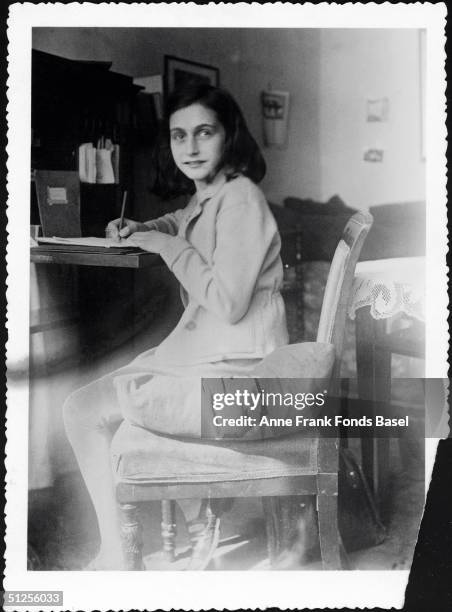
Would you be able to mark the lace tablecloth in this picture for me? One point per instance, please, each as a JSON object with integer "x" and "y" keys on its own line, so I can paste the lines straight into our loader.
{"x": 390, "y": 287}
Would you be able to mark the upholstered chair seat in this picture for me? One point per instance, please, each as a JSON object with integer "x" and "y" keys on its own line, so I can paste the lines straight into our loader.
{"x": 141, "y": 456}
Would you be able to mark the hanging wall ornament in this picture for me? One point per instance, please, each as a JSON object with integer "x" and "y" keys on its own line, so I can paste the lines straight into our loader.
{"x": 275, "y": 115}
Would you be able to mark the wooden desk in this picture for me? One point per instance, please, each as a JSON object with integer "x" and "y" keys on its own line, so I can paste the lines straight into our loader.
{"x": 40, "y": 255}
{"x": 86, "y": 310}
{"x": 75, "y": 291}
{"x": 97, "y": 292}
{"x": 46, "y": 317}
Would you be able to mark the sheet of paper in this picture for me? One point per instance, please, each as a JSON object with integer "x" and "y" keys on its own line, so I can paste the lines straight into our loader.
{"x": 89, "y": 241}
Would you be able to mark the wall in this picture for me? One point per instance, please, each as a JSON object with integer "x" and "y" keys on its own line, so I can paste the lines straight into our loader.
{"x": 329, "y": 73}
{"x": 356, "y": 65}
{"x": 248, "y": 60}
{"x": 289, "y": 61}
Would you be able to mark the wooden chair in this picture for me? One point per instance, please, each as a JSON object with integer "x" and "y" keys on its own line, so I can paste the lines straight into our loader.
{"x": 149, "y": 466}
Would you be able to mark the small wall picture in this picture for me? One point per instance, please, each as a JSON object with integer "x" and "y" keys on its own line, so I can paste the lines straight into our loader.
{"x": 377, "y": 110}
{"x": 180, "y": 72}
{"x": 275, "y": 115}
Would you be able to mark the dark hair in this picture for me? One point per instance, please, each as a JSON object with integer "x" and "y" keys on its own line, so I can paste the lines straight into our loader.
{"x": 241, "y": 152}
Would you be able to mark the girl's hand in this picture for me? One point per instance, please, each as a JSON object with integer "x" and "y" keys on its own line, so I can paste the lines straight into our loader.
{"x": 129, "y": 228}
{"x": 151, "y": 240}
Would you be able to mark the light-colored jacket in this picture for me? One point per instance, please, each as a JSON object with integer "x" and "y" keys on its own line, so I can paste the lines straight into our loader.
{"x": 225, "y": 253}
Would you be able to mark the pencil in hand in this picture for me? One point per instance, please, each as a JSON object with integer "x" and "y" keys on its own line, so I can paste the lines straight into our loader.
{"x": 123, "y": 209}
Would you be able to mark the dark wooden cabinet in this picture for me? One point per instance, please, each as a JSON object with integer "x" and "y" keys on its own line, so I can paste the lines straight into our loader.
{"x": 83, "y": 312}
{"x": 74, "y": 102}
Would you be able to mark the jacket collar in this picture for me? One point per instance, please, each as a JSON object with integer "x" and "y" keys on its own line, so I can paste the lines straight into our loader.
{"x": 208, "y": 192}
{"x": 199, "y": 199}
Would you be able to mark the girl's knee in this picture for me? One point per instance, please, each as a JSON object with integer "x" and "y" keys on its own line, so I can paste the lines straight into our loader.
{"x": 77, "y": 410}
{"x": 89, "y": 408}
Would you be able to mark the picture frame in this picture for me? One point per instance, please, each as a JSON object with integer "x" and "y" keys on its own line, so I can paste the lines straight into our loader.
{"x": 275, "y": 116}
{"x": 179, "y": 71}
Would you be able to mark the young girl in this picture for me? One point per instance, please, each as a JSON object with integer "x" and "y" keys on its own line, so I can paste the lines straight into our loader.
{"x": 223, "y": 247}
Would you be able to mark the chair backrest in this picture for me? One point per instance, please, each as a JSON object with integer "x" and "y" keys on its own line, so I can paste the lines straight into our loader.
{"x": 340, "y": 280}
{"x": 336, "y": 299}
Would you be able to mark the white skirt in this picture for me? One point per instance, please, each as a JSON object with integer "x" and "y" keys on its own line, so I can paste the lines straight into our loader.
{"x": 163, "y": 398}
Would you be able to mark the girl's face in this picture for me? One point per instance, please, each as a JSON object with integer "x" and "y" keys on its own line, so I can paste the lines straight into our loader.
{"x": 197, "y": 143}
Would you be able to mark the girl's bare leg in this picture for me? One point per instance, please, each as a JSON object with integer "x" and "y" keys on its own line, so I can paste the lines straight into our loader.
{"x": 90, "y": 417}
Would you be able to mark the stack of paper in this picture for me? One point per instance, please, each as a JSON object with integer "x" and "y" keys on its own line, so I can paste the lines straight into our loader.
{"x": 89, "y": 241}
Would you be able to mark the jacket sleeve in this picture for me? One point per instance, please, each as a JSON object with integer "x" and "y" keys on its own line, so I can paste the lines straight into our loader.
{"x": 246, "y": 241}
{"x": 168, "y": 224}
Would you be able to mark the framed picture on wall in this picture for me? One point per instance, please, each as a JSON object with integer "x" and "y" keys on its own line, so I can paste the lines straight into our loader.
{"x": 179, "y": 72}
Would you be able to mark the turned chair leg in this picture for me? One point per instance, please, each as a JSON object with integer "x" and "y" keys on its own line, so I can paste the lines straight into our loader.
{"x": 272, "y": 527}
{"x": 289, "y": 522}
{"x": 131, "y": 535}
{"x": 329, "y": 538}
{"x": 280, "y": 522}
{"x": 169, "y": 529}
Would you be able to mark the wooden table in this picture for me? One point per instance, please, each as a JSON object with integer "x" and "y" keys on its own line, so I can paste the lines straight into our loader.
{"x": 48, "y": 318}
{"x": 41, "y": 255}
{"x": 384, "y": 289}
{"x": 60, "y": 306}
{"x": 74, "y": 304}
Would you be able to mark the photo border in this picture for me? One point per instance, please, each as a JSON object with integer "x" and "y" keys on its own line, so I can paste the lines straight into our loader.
{"x": 120, "y": 590}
